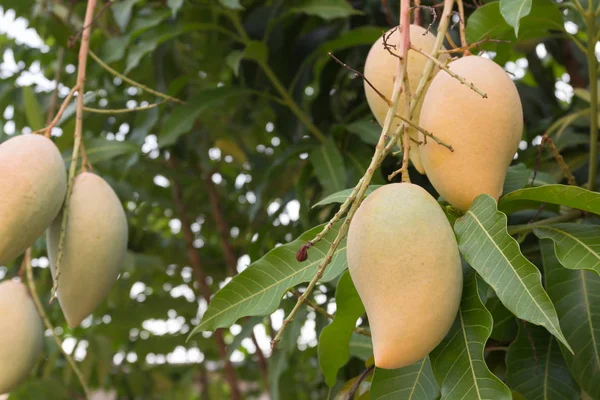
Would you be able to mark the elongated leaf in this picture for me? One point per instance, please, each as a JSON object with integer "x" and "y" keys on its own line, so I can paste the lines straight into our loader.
{"x": 329, "y": 167}
{"x": 570, "y": 196}
{"x": 259, "y": 288}
{"x": 458, "y": 361}
{"x": 232, "y": 4}
{"x": 342, "y": 195}
{"x": 575, "y": 294}
{"x": 334, "y": 341}
{"x": 514, "y": 10}
{"x": 535, "y": 367}
{"x": 366, "y": 129}
{"x": 33, "y": 111}
{"x": 518, "y": 176}
{"x": 122, "y": 12}
{"x": 577, "y": 246}
{"x": 181, "y": 120}
{"x": 326, "y": 9}
{"x": 486, "y": 245}
{"x": 246, "y": 331}
{"x": 415, "y": 382}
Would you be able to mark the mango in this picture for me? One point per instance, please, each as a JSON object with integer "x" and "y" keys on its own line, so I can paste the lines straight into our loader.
{"x": 485, "y": 132}
{"x": 33, "y": 184}
{"x": 404, "y": 261}
{"x": 21, "y": 336}
{"x": 94, "y": 247}
{"x": 380, "y": 70}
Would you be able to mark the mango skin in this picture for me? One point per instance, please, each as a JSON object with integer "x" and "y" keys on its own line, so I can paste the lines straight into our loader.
{"x": 404, "y": 261}
{"x": 485, "y": 133}
{"x": 94, "y": 248}
{"x": 21, "y": 336}
{"x": 33, "y": 183}
{"x": 380, "y": 70}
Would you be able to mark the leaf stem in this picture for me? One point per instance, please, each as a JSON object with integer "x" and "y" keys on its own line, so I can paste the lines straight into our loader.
{"x": 570, "y": 216}
{"x": 49, "y": 326}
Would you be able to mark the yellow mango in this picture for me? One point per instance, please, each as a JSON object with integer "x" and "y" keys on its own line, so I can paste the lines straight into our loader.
{"x": 404, "y": 261}
{"x": 380, "y": 70}
{"x": 21, "y": 336}
{"x": 94, "y": 247}
{"x": 485, "y": 132}
{"x": 33, "y": 183}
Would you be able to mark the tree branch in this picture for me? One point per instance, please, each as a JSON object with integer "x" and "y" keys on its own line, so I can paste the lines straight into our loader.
{"x": 200, "y": 277}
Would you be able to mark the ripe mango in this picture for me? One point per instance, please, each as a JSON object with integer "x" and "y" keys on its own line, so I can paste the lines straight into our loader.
{"x": 404, "y": 261}
{"x": 485, "y": 132}
{"x": 21, "y": 336}
{"x": 380, "y": 70}
{"x": 94, "y": 247}
{"x": 33, "y": 183}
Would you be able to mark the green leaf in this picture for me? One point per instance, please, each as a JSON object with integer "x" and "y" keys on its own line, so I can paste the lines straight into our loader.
{"x": 114, "y": 49}
{"x": 486, "y": 245}
{"x": 99, "y": 150}
{"x": 576, "y": 245}
{"x": 458, "y": 362}
{"x": 326, "y": 9}
{"x": 259, "y": 288}
{"x": 487, "y": 21}
{"x": 33, "y": 111}
{"x": 335, "y": 338}
{"x": 514, "y": 10}
{"x": 505, "y": 326}
{"x": 570, "y": 196}
{"x": 365, "y": 129}
{"x": 231, "y": 4}
{"x": 415, "y": 382}
{"x": 121, "y": 11}
{"x": 535, "y": 367}
{"x": 575, "y": 294}
{"x": 342, "y": 195}
{"x": 257, "y": 51}
{"x": 329, "y": 167}
{"x": 181, "y": 120}
{"x": 233, "y": 61}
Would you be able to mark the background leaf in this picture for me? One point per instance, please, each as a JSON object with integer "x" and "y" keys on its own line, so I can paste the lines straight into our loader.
{"x": 486, "y": 245}
{"x": 335, "y": 338}
{"x": 342, "y": 195}
{"x": 576, "y": 245}
{"x": 536, "y": 368}
{"x": 326, "y": 9}
{"x": 578, "y": 307}
{"x": 514, "y": 10}
{"x": 33, "y": 111}
{"x": 329, "y": 167}
{"x": 415, "y": 382}
{"x": 570, "y": 196}
{"x": 458, "y": 362}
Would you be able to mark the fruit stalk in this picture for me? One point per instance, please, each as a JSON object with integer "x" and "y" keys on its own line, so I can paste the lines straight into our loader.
{"x": 48, "y": 324}
{"x": 80, "y": 84}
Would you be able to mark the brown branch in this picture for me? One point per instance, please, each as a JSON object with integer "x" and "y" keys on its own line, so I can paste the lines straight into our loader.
{"x": 388, "y": 12}
{"x": 461, "y": 27}
{"x": 559, "y": 159}
{"x": 475, "y": 44}
{"x": 230, "y": 258}
{"x": 360, "y": 380}
{"x": 200, "y": 277}
{"x": 417, "y": 13}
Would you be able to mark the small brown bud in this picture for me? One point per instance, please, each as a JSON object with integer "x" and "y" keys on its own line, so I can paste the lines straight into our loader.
{"x": 302, "y": 254}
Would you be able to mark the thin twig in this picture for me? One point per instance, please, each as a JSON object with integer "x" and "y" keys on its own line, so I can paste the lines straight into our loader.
{"x": 360, "y": 380}
{"x": 54, "y": 97}
{"x": 61, "y": 110}
{"x": 73, "y": 39}
{"x": 49, "y": 326}
{"x": 475, "y": 44}
{"x": 132, "y": 82}
{"x": 425, "y": 132}
{"x": 405, "y": 138}
{"x": 123, "y": 110}
{"x": 81, "y": 70}
{"x": 461, "y": 27}
{"x": 560, "y": 160}
{"x": 443, "y": 66}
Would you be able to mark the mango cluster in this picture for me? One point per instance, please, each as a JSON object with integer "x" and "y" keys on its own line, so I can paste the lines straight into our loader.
{"x": 33, "y": 182}
{"x": 402, "y": 252}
